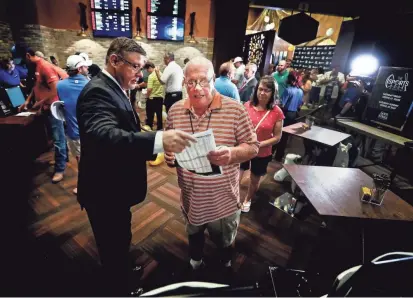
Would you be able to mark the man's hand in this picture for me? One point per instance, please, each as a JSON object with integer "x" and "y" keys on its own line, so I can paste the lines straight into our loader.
{"x": 170, "y": 159}
{"x": 175, "y": 140}
{"x": 220, "y": 157}
{"x": 23, "y": 107}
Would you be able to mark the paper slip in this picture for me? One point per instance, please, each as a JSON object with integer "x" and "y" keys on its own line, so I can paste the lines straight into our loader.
{"x": 25, "y": 114}
{"x": 194, "y": 158}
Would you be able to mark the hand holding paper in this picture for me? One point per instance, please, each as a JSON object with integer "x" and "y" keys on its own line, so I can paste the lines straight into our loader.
{"x": 220, "y": 157}
{"x": 176, "y": 140}
{"x": 194, "y": 158}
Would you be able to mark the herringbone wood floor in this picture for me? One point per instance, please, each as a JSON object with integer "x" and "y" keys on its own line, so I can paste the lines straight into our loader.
{"x": 62, "y": 237}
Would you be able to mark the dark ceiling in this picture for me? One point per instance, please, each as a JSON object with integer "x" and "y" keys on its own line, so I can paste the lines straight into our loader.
{"x": 344, "y": 7}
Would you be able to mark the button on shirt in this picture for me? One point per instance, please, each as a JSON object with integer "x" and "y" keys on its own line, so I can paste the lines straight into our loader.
{"x": 68, "y": 91}
{"x": 173, "y": 77}
{"x": 227, "y": 88}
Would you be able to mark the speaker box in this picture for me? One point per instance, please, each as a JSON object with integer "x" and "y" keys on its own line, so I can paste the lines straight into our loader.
{"x": 298, "y": 28}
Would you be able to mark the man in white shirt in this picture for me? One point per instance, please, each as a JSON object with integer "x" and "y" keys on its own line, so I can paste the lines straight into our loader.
{"x": 334, "y": 79}
{"x": 238, "y": 79}
{"x": 172, "y": 78}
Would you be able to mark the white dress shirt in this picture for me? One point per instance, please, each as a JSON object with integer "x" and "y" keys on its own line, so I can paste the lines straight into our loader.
{"x": 173, "y": 76}
{"x": 158, "y": 146}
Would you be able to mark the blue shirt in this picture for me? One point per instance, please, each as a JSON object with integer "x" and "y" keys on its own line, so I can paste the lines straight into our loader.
{"x": 68, "y": 91}
{"x": 23, "y": 71}
{"x": 351, "y": 95}
{"x": 227, "y": 88}
{"x": 296, "y": 94}
{"x": 9, "y": 79}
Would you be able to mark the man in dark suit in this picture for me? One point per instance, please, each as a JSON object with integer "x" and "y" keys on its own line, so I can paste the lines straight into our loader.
{"x": 249, "y": 84}
{"x": 112, "y": 170}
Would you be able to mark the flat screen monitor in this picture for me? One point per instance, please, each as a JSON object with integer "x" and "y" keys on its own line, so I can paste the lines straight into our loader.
{"x": 111, "y": 4}
{"x": 165, "y": 28}
{"x": 16, "y": 96}
{"x": 111, "y": 24}
{"x": 166, "y": 7}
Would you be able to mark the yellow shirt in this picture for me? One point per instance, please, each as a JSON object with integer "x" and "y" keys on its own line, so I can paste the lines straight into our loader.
{"x": 155, "y": 85}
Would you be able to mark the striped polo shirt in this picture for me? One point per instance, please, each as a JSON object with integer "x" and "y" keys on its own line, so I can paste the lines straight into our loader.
{"x": 205, "y": 199}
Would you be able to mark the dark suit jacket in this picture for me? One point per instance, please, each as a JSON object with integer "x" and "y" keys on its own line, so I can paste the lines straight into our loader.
{"x": 246, "y": 91}
{"x": 112, "y": 169}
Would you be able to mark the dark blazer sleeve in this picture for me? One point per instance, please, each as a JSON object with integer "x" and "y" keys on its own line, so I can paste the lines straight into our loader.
{"x": 100, "y": 117}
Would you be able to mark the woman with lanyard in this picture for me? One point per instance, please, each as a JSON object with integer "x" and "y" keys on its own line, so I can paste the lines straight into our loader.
{"x": 267, "y": 119}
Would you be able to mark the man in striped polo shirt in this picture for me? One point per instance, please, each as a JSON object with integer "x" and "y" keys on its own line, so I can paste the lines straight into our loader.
{"x": 212, "y": 203}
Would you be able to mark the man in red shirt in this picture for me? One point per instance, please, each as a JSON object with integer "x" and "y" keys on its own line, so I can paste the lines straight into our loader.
{"x": 46, "y": 77}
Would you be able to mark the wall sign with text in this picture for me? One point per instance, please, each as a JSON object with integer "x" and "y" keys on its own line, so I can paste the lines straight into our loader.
{"x": 392, "y": 97}
{"x": 313, "y": 57}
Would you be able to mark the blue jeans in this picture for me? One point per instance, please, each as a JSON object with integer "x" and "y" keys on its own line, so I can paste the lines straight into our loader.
{"x": 59, "y": 142}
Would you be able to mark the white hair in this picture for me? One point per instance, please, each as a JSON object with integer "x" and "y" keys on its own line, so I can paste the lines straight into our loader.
{"x": 253, "y": 67}
{"x": 201, "y": 61}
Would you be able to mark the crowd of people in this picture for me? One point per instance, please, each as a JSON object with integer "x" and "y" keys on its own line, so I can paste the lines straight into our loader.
{"x": 103, "y": 132}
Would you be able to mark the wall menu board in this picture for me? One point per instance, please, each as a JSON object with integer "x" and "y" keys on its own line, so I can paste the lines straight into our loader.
{"x": 166, "y": 7}
{"x": 165, "y": 28}
{"x": 391, "y": 98}
{"x": 111, "y": 24}
{"x": 111, "y": 18}
{"x": 111, "y": 4}
{"x": 313, "y": 57}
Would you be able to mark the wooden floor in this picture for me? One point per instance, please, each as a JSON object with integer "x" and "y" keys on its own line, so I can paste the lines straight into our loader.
{"x": 59, "y": 257}
{"x": 62, "y": 239}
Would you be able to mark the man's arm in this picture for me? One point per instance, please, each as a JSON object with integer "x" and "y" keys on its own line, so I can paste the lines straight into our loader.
{"x": 97, "y": 114}
{"x": 162, "y": 77}
{"x": 346, "y": 107}
{"x": 52, "y": 95}
{"x": 26, "y": 103}
{"x": 148, "y": 92}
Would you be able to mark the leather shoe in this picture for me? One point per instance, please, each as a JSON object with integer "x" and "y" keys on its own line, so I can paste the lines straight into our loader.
{"x": 57, "y": 177}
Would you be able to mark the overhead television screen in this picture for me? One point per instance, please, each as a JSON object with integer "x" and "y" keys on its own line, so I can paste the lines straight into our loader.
{"x": 111, "y": 4}
{"x": 165, "y": 28}
{"x": 166, "y": 7}
{"x": 111, "y": 24}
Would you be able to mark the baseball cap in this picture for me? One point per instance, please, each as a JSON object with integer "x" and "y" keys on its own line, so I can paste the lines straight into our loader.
{"x": 75, "y": 61}
{"x": 86, "y": 58}
{"x": 238, "y": 59}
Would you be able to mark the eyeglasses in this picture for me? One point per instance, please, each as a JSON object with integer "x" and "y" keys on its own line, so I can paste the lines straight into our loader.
{"x": 135, "y": 67}
{"x": 264, "y": 90}
{"x": 201, "y": 83}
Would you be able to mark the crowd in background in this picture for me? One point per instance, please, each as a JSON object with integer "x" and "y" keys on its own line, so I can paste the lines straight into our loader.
{"x": 245, "y": 111}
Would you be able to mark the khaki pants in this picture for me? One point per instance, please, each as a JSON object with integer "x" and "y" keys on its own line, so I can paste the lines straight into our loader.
{"x": 222, "y": 232}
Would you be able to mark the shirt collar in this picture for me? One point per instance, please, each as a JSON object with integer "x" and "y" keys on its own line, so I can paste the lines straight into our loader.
{"x": 215, "y": 104}
{"x": 78, "y": 77}
{"x": 104, "y": 71}
{"x": 224, "y": 78}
